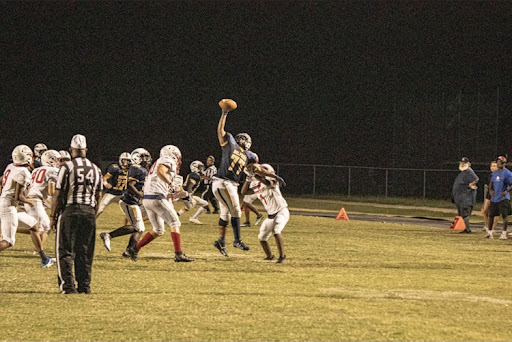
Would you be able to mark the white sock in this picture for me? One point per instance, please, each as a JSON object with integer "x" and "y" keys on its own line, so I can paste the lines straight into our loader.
{"x": 180, "y": 212}
{"x": 199, "y": 212}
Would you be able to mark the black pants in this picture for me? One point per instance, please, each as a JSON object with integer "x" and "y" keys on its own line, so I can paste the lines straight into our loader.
{"x": 464, "y": 210}
{"x": 208, "y": 195}
{"x": 76, "y": 235}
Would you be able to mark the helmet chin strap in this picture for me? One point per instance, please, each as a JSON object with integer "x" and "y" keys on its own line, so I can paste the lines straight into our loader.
{"x": 464, "y": 168}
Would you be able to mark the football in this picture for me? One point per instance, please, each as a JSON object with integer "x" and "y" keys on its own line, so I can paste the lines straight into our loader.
{"x": 227, "y": 104}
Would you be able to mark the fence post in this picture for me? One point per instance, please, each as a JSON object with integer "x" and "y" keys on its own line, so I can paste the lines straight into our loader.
{"x": 387, "y": 182}
{"x": 314, "y": 179}
{"x": 424, "y": 184}
{"x": 349, "y": 169}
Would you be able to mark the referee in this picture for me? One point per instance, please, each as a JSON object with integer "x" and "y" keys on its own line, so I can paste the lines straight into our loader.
{"x": 78, "y": 191}
{"x": 207, "y": 194}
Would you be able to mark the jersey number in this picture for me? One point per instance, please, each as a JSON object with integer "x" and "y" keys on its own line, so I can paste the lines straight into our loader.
{"x": 6, "y": 174}
{"x": 38, "y": 176}
{"x": 81, "y": 176}
{"x": 237, "y": 162}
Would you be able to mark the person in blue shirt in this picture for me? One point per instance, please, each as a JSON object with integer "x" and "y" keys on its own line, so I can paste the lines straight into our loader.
{"x": 499, "y": 187}
{"x": 130, "y": 202}
{"x": 464, "y": 191}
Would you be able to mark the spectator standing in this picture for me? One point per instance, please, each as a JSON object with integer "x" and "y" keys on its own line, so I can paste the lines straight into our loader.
{"x": 464, "y": 191}
{"x": 499, "y": 187}
{"x": 78, "y": 190}
{"x": 487, "y": 197}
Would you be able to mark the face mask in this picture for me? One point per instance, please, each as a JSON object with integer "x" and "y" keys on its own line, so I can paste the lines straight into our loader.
{"x": 463, "y": 167}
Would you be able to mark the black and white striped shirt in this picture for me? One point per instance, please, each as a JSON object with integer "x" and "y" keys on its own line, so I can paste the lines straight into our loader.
{"x": 210, "y": 172}
{"x": 80, "y": 180}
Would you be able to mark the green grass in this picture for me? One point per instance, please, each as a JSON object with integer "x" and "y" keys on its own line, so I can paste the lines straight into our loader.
{"x": 344, "y": 280}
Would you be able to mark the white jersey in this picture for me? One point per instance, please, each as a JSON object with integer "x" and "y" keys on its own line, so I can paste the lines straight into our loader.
{"x": 272, "y": 199}
{"x": 41, "y": 177}
{"x": 156, "y": 186}
{"x": 257, "y": 187}
{"x": 14, "y": 174}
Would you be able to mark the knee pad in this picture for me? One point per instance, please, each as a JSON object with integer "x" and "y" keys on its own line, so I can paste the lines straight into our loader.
{"x": 223, "y": 223}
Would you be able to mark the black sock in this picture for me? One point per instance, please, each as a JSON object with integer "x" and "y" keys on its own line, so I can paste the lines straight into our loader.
{"x": 42, "y": 254}
{"x": 235, "y": 222}
{"x": 132, "y": 243}
{"x": 125, "y": 230}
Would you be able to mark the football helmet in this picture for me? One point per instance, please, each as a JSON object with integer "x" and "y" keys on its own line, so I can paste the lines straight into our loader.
{"x": 22, "y": 154}
{"x": 39, "y": 149}
{"x": 268, "y": 167}
{"x": 244, "y": 140}
{"x": 64, "y": 155}
{"x": 125, "y": 159}
{"x": 141, "y": 156}
{"x": 196, "y": 166}
{"x": 50, "y": 158}
{"x": 173, "y": 152}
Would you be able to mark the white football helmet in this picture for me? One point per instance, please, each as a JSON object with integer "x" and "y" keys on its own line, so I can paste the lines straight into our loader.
{"x": 64, "y": 155}
{"x": 22, "y": 154}
{"x": 244, "y": 140}
{"x": 39, "y": 149}
{"x": 125, "y": 159}
{"x": 173, "y": 152}
{"x": 268, "y": 167}
{"x": 50, "y": 158}
{"x": 196, "y": 166}
{"x": 140, "y": 155}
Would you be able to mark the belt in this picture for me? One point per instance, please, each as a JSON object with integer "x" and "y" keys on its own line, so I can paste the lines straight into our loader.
{"x": 157, "y": 197}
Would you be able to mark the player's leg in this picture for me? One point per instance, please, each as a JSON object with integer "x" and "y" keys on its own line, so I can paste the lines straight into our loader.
{"x": 265, "y": 233}
{"x": 105, "y": 201}
{"x": 281, "y": 220}
{"x": 8, "y": 225}
{"x": 248, "y": 208}
{"x": 202, "y": 208}
{"x": 232, "y": 201}
{"x": 170, "y": 217}
{"x": 139, "y": 227}
{"x": 485, "y": 212}
{"x": 505, "y": 212}
{"x": 220, "y": 243}
{"x": 30, "y": 223}
{"x": 154, "y": 211}
{"x": 128, "y": 228}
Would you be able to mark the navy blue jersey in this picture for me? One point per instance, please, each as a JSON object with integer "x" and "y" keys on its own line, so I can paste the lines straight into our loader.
{"x": 118, "y": 180}
{"x": 194, "y": 179}
{"x": 139, "y": 174}
{"x": 37, "y": 162}
{"x": 233, "y": 160}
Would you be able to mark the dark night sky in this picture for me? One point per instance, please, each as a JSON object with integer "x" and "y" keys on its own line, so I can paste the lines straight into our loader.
{"x": 327, "y": 82}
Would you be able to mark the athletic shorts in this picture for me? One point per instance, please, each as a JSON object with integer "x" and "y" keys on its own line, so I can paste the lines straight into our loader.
{"x": 501, "y": 208}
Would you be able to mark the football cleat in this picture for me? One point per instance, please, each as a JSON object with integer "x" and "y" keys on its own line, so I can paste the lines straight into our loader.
{"x": 133, "y": 251}
{"x": 503, "y": 236}
{"x": 281, "y": 260}
{"x": 488, "y": 235}
{"x": 195, "y": 221}
{"x": 48, "y": 262}
{"x": 221, "y": 248}
{"x": 272, "y": 257}
{"x": 126, "y": 254}
{"x": 259, "y": 219}
{"x": 182, "y": 257}
{"x": 245, "y": 224}
{"x": 241, "y": 245}
{"x": 106, "y": 240}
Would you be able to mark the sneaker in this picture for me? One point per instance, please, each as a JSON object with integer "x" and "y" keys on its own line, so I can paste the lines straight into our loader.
{"x": 259, "y": 219}
{"x": 48, "y": 262}
{"x": 133, "y": 251}
{"x": 272, "y": 257}
{"x": 182, "y": 257}
{"x": 503, "y": 236}
{"x": 241, "y": 245}
{"x": 281, "y": 260}
{"x": 195, "y": 221}
{"x": 221, "y": 248}
{"x": 488, "y": 235}
{"x": 465, "y": 231}
{"x": 245, "y": 224}
{"x": 208, "y": 211}
{"x": 106, "y": 240}
{"x": 126, "y": 254}
{"x": 86, "y": 290}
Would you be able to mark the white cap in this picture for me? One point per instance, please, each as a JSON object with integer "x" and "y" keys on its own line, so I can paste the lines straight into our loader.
{"x": 78, "y": 142}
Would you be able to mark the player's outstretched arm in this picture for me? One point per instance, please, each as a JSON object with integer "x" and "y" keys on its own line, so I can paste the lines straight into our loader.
{"x": 221, "y": 133}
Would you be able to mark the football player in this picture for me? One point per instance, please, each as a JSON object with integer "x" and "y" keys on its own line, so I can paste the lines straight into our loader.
{"x": 39, "y": 149}
{"x": 14, "y": 181}
{"x": 130, "y": 203}
{"x": 235, "y": 156}
{"x": 192, "y": 182}
{"x": 207, "y": 194}
{"x": 160, "y": 210}
{"x": 114, "y": 182}
{"x": 247, "y": 206}
{"x": 42, "y": 186}
{"x": 64, "y": 157}
{"x": 276, "y": 207}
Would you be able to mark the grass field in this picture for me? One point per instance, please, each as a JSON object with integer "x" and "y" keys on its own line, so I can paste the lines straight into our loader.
{"x": 344, "y": 280}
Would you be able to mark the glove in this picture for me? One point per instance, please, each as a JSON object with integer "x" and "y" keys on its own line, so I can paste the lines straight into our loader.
{"x": 281, "y": 181}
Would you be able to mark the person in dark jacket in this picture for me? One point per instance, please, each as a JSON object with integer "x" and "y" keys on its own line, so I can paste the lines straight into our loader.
{"x": 464, "y": 191}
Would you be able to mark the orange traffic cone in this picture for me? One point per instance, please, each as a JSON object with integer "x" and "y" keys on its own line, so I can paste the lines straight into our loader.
{"x": 342, "y": 215}
{"x": 458, "y": 224}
